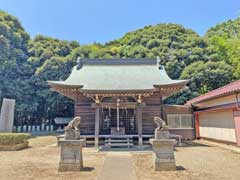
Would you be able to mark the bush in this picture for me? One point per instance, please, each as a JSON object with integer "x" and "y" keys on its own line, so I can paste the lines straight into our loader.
{"x": 13, "y": 138}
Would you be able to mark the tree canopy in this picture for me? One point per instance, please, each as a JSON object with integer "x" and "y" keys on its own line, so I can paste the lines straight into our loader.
{"x": 26, "y": 64}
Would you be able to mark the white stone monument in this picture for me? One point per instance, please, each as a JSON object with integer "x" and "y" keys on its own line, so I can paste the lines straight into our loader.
{"x": 7, "y": 115}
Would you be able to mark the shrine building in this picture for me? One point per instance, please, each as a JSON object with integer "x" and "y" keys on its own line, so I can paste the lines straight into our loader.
{"x": 121, "y": 96}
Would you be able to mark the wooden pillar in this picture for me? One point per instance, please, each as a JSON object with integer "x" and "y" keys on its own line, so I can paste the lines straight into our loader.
{"x": 139, "y": 122}
{"x": 118, "y": 118}
{"x": 236, "y": 114}
{"x": 197, "y": 125}
{"x": 97, "y": 116}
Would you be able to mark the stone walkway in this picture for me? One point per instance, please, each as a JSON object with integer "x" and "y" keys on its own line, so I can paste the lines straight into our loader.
{"x": 117, "y": 166}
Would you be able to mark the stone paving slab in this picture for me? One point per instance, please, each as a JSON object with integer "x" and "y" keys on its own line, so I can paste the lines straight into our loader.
{"x": 117, "y": 166}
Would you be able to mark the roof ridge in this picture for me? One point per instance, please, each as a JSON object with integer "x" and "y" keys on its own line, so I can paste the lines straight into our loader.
{"x": 117, "y": 61}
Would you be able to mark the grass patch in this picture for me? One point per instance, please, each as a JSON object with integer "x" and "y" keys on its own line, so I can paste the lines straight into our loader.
{"x": 13, "y": 138}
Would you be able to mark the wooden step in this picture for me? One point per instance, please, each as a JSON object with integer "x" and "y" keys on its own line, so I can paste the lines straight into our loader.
{"x": 119, "y": 145}
{"x": 118, "y": 140}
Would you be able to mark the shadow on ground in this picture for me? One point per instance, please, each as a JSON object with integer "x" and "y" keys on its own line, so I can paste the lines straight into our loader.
{"x": 180, "y": 168}
{"x": 87, "y": 169}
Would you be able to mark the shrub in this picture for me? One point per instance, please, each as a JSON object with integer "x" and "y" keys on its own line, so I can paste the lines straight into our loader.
{"x": 13, "y": 138}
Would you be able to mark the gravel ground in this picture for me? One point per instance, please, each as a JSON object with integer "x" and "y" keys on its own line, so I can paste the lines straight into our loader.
{"x": 197, "y": 162}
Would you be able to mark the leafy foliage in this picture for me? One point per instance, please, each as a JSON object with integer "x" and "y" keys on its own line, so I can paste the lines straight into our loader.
{"x": 26, "y": 64}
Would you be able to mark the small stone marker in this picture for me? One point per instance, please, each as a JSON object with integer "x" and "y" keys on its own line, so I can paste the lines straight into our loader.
{"x": 24, "y": 128}
{"x": 42, "y": 127}
{"x": 163, "y": 147}
{"x": 19, "y": 128}
{"x": 71, "y": 148}
{"x": 7, "y": 115}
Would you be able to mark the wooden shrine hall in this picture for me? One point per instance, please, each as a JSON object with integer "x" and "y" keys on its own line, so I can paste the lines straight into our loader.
{"x": 117, "y": 97}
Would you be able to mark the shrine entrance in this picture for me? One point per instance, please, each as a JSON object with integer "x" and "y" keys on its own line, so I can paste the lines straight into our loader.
{"x": 118, "y": 116}
{"x": 127, "y": 121}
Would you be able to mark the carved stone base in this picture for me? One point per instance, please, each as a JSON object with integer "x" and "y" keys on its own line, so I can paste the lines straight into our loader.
{"x": 71, "y": 158}
{"x": 163, "y": 152}
{"x": 162, "y": 134}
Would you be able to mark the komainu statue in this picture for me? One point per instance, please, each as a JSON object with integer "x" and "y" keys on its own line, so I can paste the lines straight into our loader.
{"x": 72, "y": 131}
{"x": 74, "y": 123}
{"x": 161, "y": 132}
{"x": 161, "y": 124}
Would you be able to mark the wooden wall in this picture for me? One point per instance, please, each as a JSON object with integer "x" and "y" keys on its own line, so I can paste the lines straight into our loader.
{"x": 176, "y": 109}
{"x": 152, "y": 108}
{"x": 83, "y": 108}
{"x": 179, "y": 109}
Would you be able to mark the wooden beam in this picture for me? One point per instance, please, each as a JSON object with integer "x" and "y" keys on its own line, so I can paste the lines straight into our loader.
{"x": 139, "y": 123}
{"x": 121, "y": 105}
{"x": 97, "y": 118}
{"x": 197, "y": 126}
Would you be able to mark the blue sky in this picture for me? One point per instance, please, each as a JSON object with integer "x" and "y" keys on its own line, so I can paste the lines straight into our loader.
{"x": 90, "y": 21}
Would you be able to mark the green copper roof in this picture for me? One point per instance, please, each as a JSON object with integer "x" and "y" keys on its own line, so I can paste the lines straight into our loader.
{"x": 118, "y": 74}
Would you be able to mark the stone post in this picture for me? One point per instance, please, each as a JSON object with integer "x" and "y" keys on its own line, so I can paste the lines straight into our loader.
{"x": 29, "y": 128}
{"x": 24, "y": 128}
{"x": 42, "y": 127}
{"x": 18, "y": 129}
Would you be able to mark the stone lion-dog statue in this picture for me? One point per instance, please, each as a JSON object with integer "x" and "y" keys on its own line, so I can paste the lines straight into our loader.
{"x": 161, "y": 124}
{"x": 74, "y": 124}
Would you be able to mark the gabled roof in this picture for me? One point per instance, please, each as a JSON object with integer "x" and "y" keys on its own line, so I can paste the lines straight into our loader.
{"x": 231, "y": 88}
{"x": 118, "y": 75}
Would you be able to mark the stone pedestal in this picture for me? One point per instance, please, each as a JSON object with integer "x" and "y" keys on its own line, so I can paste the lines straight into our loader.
{"x": 162, "y": 134}
{"x": 71, "y": 155}
{"x": 163, "y": 151}
{"x": 72, "y": 134}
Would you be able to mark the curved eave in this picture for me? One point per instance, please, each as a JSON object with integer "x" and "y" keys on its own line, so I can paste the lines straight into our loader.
{"x": 117, "y": 91}
{"x": 63, "y": 84}
{"x": 175, "y": 83}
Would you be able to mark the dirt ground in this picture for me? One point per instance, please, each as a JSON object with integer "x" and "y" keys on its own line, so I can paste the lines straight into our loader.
{"x": 40, "y": 161}
{"x": 194, "y": 162}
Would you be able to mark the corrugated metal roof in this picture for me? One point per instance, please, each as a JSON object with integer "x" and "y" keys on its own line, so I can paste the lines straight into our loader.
{"x": 118, "y": 74}
{"x": 222, "y": 91}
